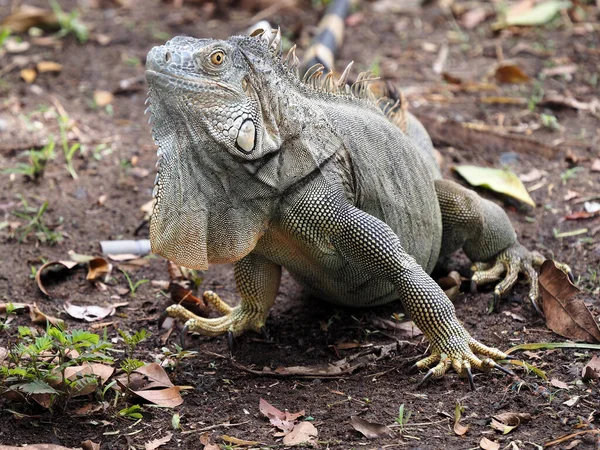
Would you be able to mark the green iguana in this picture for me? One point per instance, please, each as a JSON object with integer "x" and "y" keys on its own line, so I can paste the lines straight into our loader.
{"x": 260, "y": 168}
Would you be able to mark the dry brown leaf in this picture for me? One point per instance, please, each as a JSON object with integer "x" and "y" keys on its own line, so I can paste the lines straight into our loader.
{"x": 405, "y": 329}
{"x": 3, "y": 354}
{"x": 169, "y": 397}
{"x": 28, "y": 75}
{"x": 282, "y": 420}
{"x": 565, "y": 315}
{"x": 502, "y": 427}
{"x": 238, "y": 441}
{"x": 156, "y": 375}
{"x": 49, "y": 66}
{"x": 38, "y": 317}
{"x": 302, "y": 433}
{"x": 208, "y": 446}
{"x": 568, "y": 69}
{"x": 513, "y": 418}
{"x": 91, "y": 313}
{"x": 596, "y": 165}
{"x": 63, "y": 266}
{"x": 460, "y": 429}
{"x": 154, "y": 444}
{"x": 473, "y": 17}
{"x": 450, "y": 284}
{"x": 511, "y": 73}
{"x": 89, "y": 445}
{"x": 486, "y": 444}
{"x": 591, "y": 371}
{"x": 98, "y": 268}
{"x": 559, "y": 384}
{"x": 103, "y": 98}
{"x": 29, "y": 16}
{"x": 370, "y": 430}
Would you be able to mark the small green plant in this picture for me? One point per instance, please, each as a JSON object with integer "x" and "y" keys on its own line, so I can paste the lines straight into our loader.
{"x": 569, "y": 173}
{"x": 550, "y": 121}
{"x": 68, "y": 150}
{"x": 133, "y": 412}
{"x": 69, "y": 23}
{"x": 178, "y": 355}
{"x": 37, "y": 364}
{"x": 133, "y": 286}
{"x": 4, "y": 34}
{"x": 536, "y": 96}
{"x": 132, "y": 340}
{"x": 10, "y": 310}
{"x": 36, "y": 224}
{"x": 38, "y": 159}
{"x": 403, "y": 417}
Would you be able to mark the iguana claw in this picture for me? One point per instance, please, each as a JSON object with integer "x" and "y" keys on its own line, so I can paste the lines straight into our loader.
{"x": 234, "y": 321}
{"x": 462, "y": 362}
{"x": 509, "y": 263}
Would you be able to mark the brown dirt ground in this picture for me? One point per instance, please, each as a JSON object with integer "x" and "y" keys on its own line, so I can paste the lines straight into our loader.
{"x": 298, "y": 329}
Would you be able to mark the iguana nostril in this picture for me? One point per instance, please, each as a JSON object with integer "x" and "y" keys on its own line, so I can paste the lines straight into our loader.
{"x": 168, "y": 56}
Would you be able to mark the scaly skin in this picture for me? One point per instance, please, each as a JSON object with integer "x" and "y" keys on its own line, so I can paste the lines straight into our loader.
{"x": 261, "y": 169}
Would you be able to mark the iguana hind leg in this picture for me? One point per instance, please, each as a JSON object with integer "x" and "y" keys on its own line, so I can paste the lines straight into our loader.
{"x": 485, "y": 233}
{"x": 257, "y": 281}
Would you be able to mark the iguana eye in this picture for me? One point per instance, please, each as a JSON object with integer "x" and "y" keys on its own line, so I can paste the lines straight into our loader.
{"x": 217, "y": 58}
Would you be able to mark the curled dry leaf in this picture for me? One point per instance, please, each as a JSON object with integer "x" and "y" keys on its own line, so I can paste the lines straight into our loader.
{"x": 98, "y": 268}
{"x": 89, "y": 445}
{"x": 405, "y": 329}
{"x": 282, "y": 420}
{"x": 508, "y": 421}
{"x": 511, "y": 73}
{"x": 156, "y": 375}
{"x": 450, "y": 284}
{"x": 591, "y": 371}
{"x": 155, "y": 443}
{"x": 28, "y": 75}
{"x": 98, "y": 371}
{"x": 565, "y": 315}
{"x": 38, "y": 317}
{"x": 103, "y": 98}
{"x": 44, "y": 273}
{"x": 486, "y": 444}
{"x": 91, "y": 313}
{"x": 302, "y": 433}
{"x": 48, "y": 66}
{"x": 237, "y": 441}
{"x": 27, "y": 16}
{"x": 370, "y": 430}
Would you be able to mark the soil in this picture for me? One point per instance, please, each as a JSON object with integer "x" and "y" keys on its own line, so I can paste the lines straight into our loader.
{"x": 302, "y": 330}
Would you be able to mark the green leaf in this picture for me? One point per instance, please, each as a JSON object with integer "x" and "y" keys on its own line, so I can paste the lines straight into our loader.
{"x": 498, "y": 180}
{"x": 37, "y": 387}
{"x": 538, "y": 15}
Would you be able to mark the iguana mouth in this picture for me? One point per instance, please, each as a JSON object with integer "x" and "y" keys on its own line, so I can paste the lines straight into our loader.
{"x": 187, "y": 83}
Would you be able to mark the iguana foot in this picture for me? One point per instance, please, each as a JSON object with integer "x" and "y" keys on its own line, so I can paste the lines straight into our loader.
{"x": 234, "y": 320}
{"x": 459, "y": 353}
{"x": 509, "y": 263}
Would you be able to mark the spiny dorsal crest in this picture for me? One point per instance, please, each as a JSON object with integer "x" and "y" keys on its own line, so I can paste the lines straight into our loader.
{"x": 395, "y": 111}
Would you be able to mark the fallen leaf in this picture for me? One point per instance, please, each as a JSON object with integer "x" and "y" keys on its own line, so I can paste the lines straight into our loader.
{"x": 156, "y": 374}
{"x": 208, "y": 446}
{"x": 154, "y": 444}
{"x": 473, "y": 17}
{"x": 370, "y": 430}
{"x": 511, "y": 73}
{"x": 89, "y": 445}
{"x": 123, "y": 257}
{"x": 539, "y": 14}
{"x": 48, "y": 66}
{"x": 282, "y": 420}
{"x": 591, "y": 371}
{"x": 591, "y": 207}
{"x": 91, "y": 313}
{"x": 3, "y": 354}
{"x": 499, "y": 180}
{"x": 38, "y": 317}
{"x": 302, "y": 433}
{"x": 405, "y": 329}
{"x": 27, "y": 16}
{"x": 101, "y": 371}
{"x": 237, "y": 441}
{"x": 571, "y": 401}
{"x": 596, "y": 165}
{"x": 28, "y": 75}
{"x": 564, "y": 315}
{"x": 499, "y": 426}
{"x": 513, "y": 418}
{"x": 169, "y": 397}
{"x": 103, "y": 98}
{"x": 44, "y": 274}
{"x": 568, "y": 69}
{"x": 559, "y": 384}
{"x": 486, "y": 444}
{"x": 98, "y": 268}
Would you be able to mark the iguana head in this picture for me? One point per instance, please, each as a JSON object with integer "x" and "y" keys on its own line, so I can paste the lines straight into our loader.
{"x": 213, "y": 126}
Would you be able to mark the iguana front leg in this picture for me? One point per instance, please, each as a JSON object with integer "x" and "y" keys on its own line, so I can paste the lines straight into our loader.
{"x": 371, "y": 245}
{"x": 257, "y": 281}
{"x": 483, "y": 230}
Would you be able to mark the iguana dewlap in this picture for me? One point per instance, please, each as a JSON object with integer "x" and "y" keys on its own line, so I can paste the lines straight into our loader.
{"x": 265, "y": 170}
